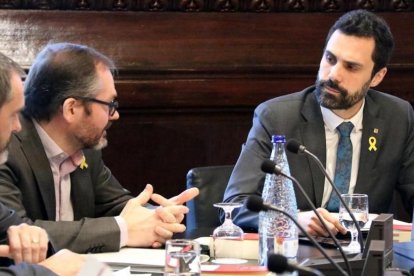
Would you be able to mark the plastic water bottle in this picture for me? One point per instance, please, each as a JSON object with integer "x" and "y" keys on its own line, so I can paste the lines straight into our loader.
{"x": 277, "y": 233}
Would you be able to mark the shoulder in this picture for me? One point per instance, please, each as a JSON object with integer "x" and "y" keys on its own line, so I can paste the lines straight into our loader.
{"x": 388, "y": 104}
{"x": 286, "y": 104}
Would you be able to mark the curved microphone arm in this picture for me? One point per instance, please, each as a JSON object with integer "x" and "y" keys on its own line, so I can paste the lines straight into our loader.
{"x": 360, "y": 238}
{"x": 335, "y": 240}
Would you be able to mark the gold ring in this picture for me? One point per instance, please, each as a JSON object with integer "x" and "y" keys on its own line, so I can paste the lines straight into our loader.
{"x": 35, "y": 241}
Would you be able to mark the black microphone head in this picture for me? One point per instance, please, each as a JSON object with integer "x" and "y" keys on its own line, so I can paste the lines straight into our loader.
{"x": 277, "y": 263}
{"x": 293, "y": 146}
{"x": 268, "y": 166}
{"x": 255, "y": 203}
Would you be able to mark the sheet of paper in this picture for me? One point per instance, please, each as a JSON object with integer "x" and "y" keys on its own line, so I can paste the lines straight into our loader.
{"x": 133, "y": 257}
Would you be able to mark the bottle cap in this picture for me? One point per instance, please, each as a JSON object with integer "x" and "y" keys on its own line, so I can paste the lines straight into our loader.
{"x": 278, "y": 139}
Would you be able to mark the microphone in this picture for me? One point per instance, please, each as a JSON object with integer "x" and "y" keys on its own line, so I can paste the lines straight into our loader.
{"x": 268, "y": 166}
{"x": 278, "y": 263}
{"x": 295, "y": 147}
{"x": 255, "y": 203}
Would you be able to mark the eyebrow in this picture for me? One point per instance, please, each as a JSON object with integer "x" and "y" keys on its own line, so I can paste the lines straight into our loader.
{"x": 353, "y": 63}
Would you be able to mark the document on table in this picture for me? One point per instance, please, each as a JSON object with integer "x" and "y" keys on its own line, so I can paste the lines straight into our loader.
{"x": 139, "y": 259}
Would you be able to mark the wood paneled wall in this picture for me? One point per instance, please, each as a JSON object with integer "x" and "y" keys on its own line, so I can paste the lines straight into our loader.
{"x": 188, "y": 82}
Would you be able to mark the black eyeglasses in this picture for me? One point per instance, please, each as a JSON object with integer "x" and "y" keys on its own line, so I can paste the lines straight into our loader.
{"x": 113, "y": 105}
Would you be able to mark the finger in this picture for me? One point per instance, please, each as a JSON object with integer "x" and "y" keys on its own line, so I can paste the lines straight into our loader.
{"x": 5, "y": 251}
{"x": 333, "y": 220}
{"x": 173, "y": 227}
{"x": 156, "y": 244}
{"x": 165, "y": 215}
{"x": 15, "y": 244}
{"x": 43, "y": 245}
{"x": 185, "y": 196}
{"x": 317, "y": 228}
{"x": 179, "y": 218}
{"x": 169, "y": 214}
{"x": 163, "y": 233}
{"x": 145, "y": 195}
{"x": 176, "y": 200}
{"x": 28, "y": 243}
{"x": 340, "y": 227}
{"x": 311, "y": 232}
{"x": 160, "y": 200}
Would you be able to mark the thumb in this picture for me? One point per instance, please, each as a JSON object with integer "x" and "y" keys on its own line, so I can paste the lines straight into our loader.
{"x": 4, "y": 251}
{"x": 145, "y": 195}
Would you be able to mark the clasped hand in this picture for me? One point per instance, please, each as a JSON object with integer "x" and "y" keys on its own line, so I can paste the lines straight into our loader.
{"x": 152, "y": 227}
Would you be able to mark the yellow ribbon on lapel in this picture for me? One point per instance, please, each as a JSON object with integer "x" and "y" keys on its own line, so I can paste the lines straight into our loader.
{"x": 372, "y": 143}
{"x": 83, "y": 164}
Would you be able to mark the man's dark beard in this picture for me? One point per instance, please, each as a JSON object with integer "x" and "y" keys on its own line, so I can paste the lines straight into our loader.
{"x": 343, "y": 100}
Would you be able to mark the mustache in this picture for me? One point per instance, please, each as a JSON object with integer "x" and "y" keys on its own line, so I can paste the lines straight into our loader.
{"x": 331, "y": 84}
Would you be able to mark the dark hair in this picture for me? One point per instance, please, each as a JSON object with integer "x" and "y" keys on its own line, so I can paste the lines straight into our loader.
{"x": 362, "y": 23}
{"x": 60, "y": 71}
{"x": 7, "y": 67}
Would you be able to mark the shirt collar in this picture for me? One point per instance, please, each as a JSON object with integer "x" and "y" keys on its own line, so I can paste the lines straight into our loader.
{"x": 53, "y": 151}
{"x": 332, "y": 121}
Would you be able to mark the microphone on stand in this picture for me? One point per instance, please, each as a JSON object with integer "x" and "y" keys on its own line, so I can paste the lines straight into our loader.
{"x": 268, "y": 166}
{"x": 295, "y": 147}
{"x": 278, "y": 263}
{"x": 255, "y": 203}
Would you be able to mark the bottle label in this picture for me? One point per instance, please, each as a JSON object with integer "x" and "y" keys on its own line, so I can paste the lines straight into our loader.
{"x": 286, "y": 246}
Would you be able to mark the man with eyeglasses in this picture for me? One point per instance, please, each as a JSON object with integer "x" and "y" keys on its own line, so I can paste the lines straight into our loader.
{"x": 56, "y": 178}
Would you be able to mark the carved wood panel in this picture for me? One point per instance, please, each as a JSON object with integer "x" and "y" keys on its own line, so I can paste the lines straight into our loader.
{"x": 188, "y": 81}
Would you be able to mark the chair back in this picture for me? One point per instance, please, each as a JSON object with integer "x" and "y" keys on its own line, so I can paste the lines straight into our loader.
{"x": 212, "y": 182}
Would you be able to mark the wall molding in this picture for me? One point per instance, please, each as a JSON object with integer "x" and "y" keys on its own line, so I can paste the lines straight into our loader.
{"x": 213, "y": 5}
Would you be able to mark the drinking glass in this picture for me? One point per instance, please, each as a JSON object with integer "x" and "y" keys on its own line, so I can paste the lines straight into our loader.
{"x": 228, "y": 230}
{"x": 358, "y": 204}
{"x": 182, "y": 258}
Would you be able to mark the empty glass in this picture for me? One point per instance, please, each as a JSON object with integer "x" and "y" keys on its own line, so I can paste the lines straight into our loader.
{"x": 358, "y": 204}
{"x": 228, "y": 230}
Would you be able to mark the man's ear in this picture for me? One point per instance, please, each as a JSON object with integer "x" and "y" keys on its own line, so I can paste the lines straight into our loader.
{"x": 70, "y": 108}
{"x": 378, "y": 77}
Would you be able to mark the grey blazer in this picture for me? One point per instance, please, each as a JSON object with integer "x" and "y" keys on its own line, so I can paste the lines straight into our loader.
{"x": 388, "y": 119}
{"x": 26, "y": 185}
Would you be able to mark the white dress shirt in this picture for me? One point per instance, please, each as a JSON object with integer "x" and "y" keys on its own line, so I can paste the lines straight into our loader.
{"x": 331, "y": 121}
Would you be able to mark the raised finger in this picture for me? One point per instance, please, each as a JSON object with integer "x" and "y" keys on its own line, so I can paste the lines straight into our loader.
{"x": 160, "y": 200}
{"x": 186, "y": 196}
{"x": 145, "y": 195}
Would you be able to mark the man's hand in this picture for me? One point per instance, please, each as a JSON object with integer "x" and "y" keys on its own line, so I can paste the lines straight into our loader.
{"x": 64, "y": 263}
{"x": 149, "y": 227}
{"x": 176, "y": 200}
{"x": 314, "y": 227}
{"x": 26, "y": 244}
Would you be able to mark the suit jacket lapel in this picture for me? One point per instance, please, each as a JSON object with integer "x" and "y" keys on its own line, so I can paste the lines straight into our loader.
{"x": 371, "y": 142}
{"x": 80, "y": 190}
{"x": 33, "y": 149}
{"x": 313, "y": 135}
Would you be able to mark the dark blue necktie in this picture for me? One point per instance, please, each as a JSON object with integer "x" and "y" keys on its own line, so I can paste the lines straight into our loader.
{"x": 343, "y": 165}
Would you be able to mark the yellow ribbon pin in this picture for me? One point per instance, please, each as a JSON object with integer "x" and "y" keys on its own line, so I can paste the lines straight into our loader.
{"x": 372, "y": 143}
{"x": 83, "y": 164}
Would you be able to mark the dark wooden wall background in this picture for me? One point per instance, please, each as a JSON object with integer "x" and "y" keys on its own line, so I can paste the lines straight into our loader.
{"x": 188, "y": 81}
